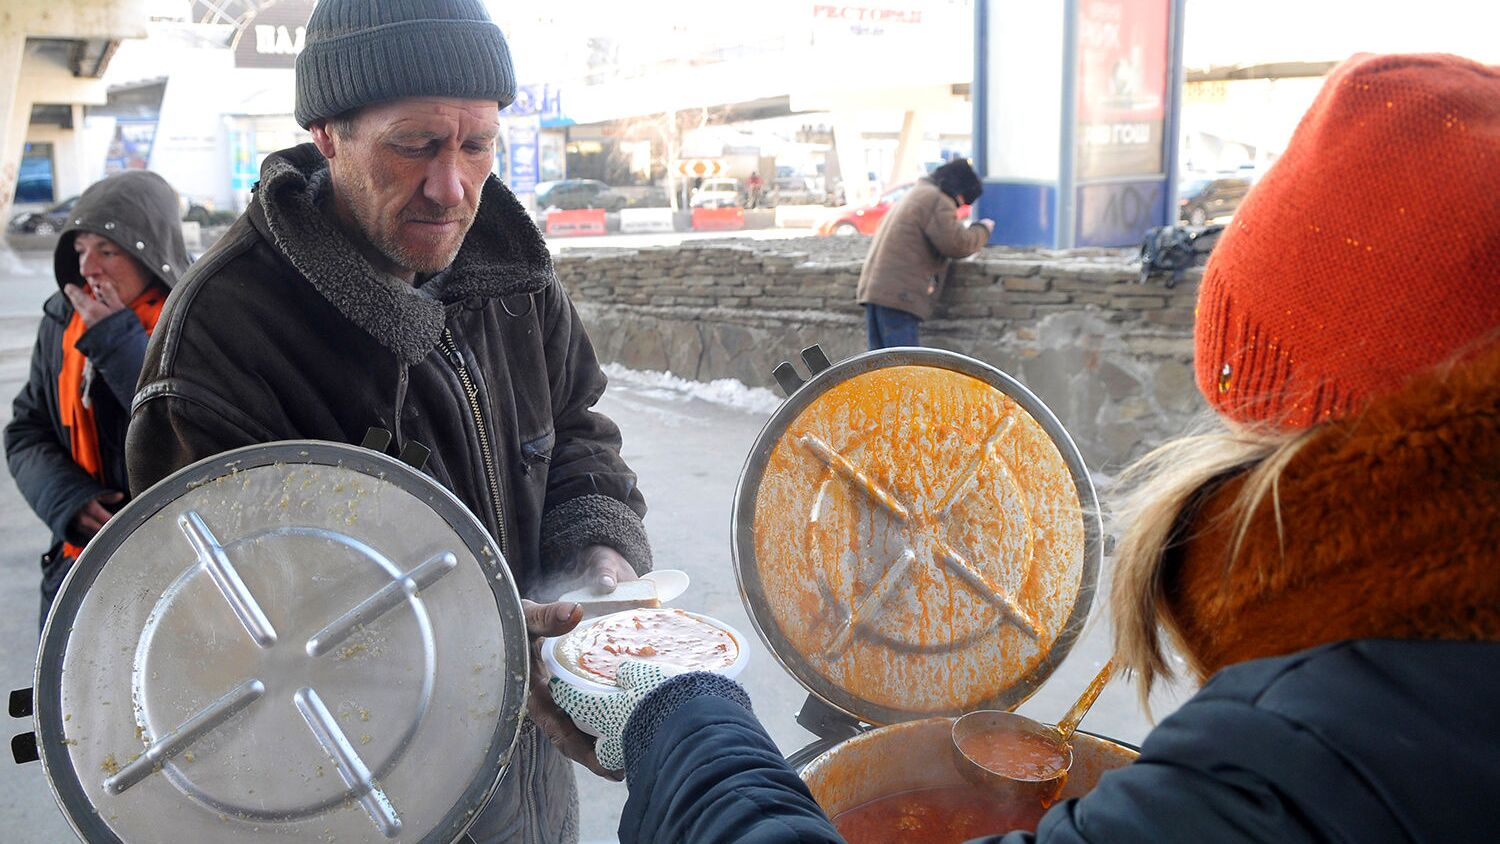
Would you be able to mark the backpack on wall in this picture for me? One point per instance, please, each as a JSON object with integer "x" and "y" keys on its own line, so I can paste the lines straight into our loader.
{"x": 1174, "y": 249}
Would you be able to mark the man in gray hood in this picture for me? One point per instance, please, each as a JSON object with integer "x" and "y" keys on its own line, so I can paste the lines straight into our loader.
{"x": 381, "y": 278}
{"x": 120, "y": 251}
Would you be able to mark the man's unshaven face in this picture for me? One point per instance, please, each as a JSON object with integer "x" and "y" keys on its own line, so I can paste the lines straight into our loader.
{"x": 409, "y": 176}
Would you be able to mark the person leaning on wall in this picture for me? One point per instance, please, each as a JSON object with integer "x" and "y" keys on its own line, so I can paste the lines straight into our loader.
{"x": 119, "y": 254}
{"x": 1325, "y": 562}
{"x": 902, "y": 276}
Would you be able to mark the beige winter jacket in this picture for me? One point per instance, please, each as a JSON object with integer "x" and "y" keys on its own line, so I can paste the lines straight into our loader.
{"x": 910, "y": 248}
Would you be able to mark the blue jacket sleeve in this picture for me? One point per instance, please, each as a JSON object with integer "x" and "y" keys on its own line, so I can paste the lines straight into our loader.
{"x": 117, "y": 346}
{"x": 701, "y": 769}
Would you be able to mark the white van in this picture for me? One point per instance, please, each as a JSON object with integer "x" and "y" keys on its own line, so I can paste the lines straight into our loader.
{"x": 718, "y": 192}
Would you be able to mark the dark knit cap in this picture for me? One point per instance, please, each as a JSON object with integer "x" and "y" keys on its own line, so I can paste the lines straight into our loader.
{"x": 957, "y": 178}
{"x": 362, "y": 51}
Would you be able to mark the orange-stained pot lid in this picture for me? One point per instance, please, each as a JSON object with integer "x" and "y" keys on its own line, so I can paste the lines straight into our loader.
{"x": 915, "y": 534}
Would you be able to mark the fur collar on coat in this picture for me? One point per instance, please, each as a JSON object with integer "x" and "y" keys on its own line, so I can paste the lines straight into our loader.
{"x": 503, "y": 255}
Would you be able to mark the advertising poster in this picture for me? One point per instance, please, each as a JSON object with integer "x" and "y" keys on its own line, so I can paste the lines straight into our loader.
{"x": 131, "y": 147}
{"x": 1122, "y": 87}
{"x": 522, "y": 171}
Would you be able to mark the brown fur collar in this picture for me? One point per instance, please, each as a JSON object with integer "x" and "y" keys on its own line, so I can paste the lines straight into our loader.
{"x": 1391, "y": 530}
{"x": 503, "y": 255}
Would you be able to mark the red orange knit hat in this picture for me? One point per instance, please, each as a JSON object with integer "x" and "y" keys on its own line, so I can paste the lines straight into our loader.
{"x": 1368, "y": 253}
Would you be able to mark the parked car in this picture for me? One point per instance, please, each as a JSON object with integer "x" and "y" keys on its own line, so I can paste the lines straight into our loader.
{"x": 1202, "y": 200}
{"x": 48, "y": 221}
{"x": 865, "y": 220}
{"x": 205, "y": 216}
{"x": 719, "y": 192}
{"x": 574, "y": 194}
{"x": 797, "y": 190}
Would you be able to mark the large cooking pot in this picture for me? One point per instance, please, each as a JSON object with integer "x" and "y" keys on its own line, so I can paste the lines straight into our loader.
{"x": 915, "y": 536}
{"x": 295, "y": 641}
{"x": 918, "y": 754}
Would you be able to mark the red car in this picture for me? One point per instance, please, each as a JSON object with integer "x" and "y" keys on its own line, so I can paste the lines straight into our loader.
{"x": 865, "y": 220}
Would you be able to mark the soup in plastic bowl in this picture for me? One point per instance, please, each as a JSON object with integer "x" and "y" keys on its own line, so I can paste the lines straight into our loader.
{"x": 678, "y": 640}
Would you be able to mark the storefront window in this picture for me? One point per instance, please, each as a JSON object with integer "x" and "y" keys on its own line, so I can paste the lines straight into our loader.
{"x": 34, "y": 182}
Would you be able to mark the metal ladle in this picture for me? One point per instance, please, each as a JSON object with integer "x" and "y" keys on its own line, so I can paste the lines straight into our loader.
{"x": 1015, "y": 729}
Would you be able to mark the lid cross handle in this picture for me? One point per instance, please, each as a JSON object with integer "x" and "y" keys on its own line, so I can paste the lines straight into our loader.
{"x": 964, "y": 486}
{"x": 851, "y": 473}
{"x": 872, "y": 601}
{"x": 346, "y": 759}
{"x": 228, "y": 579}
{"x": 382, "y": 601}
{"x": 1007, "y": 605}
{"x": 944, "y": 553}
{"x": 178, "y": 740}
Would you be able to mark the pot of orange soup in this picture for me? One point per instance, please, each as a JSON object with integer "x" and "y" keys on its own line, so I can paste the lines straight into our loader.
{"x": 915, "y": 537}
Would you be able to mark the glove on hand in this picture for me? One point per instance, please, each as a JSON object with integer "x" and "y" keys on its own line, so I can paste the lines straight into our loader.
{"x": 607, "y": 714}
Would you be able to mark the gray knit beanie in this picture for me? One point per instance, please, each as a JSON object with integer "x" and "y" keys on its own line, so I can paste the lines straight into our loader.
{"x": 368, "y": 51}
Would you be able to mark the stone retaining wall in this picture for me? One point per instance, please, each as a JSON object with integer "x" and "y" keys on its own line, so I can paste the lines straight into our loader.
{"x": 1110, "y": 356}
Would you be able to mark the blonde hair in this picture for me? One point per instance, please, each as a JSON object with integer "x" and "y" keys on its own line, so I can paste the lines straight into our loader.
{"x": 1161, "y": 493}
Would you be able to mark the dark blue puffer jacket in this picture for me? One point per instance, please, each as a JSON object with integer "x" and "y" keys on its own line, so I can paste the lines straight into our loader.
{"x": 1358, "y": 742}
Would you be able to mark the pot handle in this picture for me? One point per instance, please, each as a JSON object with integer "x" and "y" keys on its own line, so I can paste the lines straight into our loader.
{"x": 23, "y": 747}
{"x": 1069, "y": 722}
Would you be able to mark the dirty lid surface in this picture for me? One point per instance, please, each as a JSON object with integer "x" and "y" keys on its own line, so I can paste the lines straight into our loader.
{"x": 915, "y": 534}
{"x": 296, "y": 641}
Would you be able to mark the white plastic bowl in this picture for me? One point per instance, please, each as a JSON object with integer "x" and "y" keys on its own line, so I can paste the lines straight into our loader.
{"x": 577, "y": 681}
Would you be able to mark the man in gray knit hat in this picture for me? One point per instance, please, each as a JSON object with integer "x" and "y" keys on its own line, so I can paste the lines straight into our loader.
{"x": 382, "y": 278}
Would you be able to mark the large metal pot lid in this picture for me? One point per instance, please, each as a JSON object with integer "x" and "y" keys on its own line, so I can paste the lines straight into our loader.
{"x": 295, "y": 641}
{"x": 915, "y": 534}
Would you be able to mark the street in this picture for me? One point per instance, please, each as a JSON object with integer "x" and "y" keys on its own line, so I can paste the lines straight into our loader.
{"x": 616, "y": 240}
{"x": 688, "y": 451}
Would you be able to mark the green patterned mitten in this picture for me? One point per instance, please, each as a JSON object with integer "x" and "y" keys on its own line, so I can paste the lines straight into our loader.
{"x": 607, "y": 714}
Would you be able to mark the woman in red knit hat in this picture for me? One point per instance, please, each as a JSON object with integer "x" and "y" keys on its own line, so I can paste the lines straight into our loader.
{"x": 1326, "y": 563}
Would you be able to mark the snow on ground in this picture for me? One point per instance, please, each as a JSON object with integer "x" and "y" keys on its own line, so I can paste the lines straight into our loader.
{"x": 665, "y": 386}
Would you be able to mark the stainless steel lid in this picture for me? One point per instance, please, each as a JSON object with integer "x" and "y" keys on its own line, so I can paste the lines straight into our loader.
{"x": 295, "y": 641}
{"x": 915, "y": 534}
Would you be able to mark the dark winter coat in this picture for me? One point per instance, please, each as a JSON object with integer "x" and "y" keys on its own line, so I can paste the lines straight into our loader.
{"x": 911, "y": 248}
{"x": 283, "y": 331}
{"x": 1375, "y": 741}
{"x": 137, "y": 210}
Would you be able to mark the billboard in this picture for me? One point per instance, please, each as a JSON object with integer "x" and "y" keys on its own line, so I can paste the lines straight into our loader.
{"x": 521, "y": 175}
{"x": 1122, "y": 87}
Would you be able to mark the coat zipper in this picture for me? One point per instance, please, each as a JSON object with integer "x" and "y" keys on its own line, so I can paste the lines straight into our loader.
{"x": 528, "y": 789}
{"x": 487, "y": 456}
{"x": 403, "y": 378}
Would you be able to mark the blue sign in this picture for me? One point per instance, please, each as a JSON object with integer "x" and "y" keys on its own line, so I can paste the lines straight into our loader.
{"x": 524, "y": 163}
{"x": 529, "y": 100}
{"x": 543, "y": 101}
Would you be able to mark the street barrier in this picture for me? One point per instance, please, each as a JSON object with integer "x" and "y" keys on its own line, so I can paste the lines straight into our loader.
{"x": 801, "y": 216}
{"x": 718, "y": 219}
{"x": 571, "y": 223}
{"x": 760, "y": 218}
{"x": 642, "y": 220}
